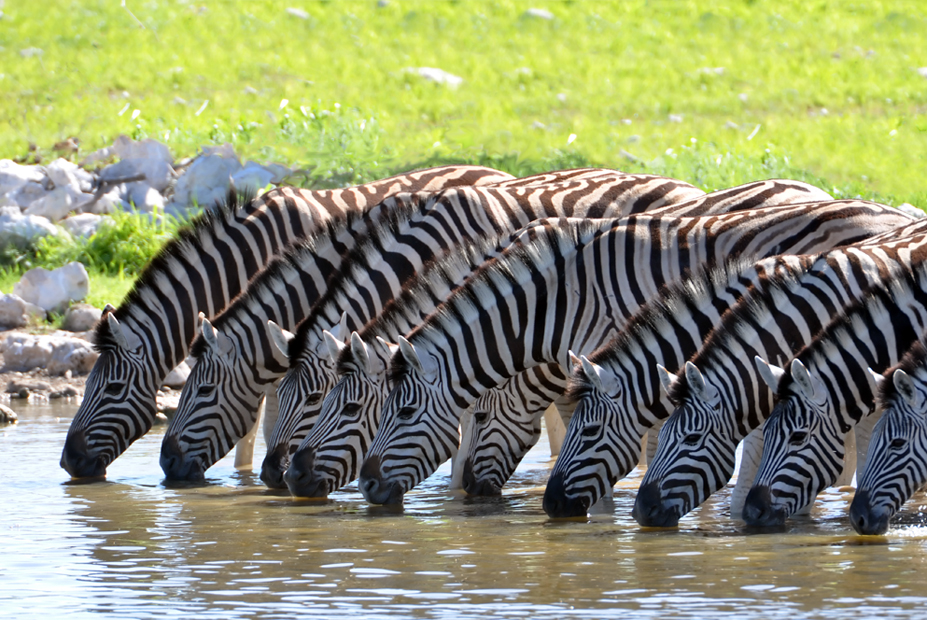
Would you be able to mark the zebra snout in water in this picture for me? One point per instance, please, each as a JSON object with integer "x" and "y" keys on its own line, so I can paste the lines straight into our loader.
{"x": 473, "y": 486}
{"x": 176, "y": 464}
{"x": 274, "y": 466}
{"x": 300, "y": 476}
{"x": 650, "y": 510}
{"x": 864, "y": 519}
{"x": 78, "y": 460}
{"x": 759, "y": 510}
{"x": 558, "y": 505}
{"x": 374, "y": 488}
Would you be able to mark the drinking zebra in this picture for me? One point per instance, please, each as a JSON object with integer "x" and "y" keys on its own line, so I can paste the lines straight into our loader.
{"x": 535, "y": 302}
{"x": 330, "y": 454}
{"x": 824, "y": 393}
{"x": 719, "y": 395}
{"x": 201, "y": 271}
{"x": 896, "y": 464}
{"x": 237, "y": 362}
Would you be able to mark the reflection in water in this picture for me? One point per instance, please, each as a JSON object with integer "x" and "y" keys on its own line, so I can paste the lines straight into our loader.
{"x": 136, "y": 547}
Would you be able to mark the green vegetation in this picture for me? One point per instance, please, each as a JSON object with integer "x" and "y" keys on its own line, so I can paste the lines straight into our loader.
{"x": 713, "y": 93}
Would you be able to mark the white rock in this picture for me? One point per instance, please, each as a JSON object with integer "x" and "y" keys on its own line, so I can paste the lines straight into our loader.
{"x": 149, "y": 148}
{"x": 539, "y": 14}
{"x": 144, "y": 197}
{"x": 922, "y": 71}
{"x": 13, "y": 175}
{"x": 438, "y": 76}
{"x": 907, "y": 207}
{"x": 63, "y": 173}
{"x": 24, "y": 195}
{"x": 16, "y": 312}
{"x": 56, "y": 204}
{"x": 22, "y": 352}
{"x": 57, "y": 352}
{"x": 83, "y": 225}
{"x": 98, "y": 156}
{"x": 108, "y": 202}
{"x": 54, "y": 290}
{"x": 155, "y": 172}
{"x": 21, "y": 230}
{"x": 253, "y": 176}
{"x": 177, "y": 377}
{"x": 297, "y": 13}
{"x": 81, "y": 318}
{"x": 207, "y": 180}
{"x": 71, "y": 354}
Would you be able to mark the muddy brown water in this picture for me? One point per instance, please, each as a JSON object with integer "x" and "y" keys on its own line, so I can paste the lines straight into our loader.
{"x": 133, "y": 547}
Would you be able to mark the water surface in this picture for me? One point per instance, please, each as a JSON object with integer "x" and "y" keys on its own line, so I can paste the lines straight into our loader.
{"x": 133, "y": 547}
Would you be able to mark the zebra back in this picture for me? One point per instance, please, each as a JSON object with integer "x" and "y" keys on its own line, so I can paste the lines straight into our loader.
{"x": 201, "y": 271}
{"x": 535, "y": 302}
{"x": 720, "y": 397}
{"x": 826, "y": 390}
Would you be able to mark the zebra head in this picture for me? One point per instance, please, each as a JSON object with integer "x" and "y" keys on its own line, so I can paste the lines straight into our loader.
{"x": 418, "y": 428}
{"x": 330, "y": 455}
{"x": 600, "y": 446}
{"x": 312, "y": 358}
{"x": 896, "y": 465}
{"x": 506, "y": 424}
{"x": 803, "y": 446}
{"x": 119, "y": 401}
{"x": 213, "y": 413}
{"x": 695, "y": 453}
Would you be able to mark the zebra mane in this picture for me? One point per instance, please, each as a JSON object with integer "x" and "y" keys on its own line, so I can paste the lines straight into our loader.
{"x": 444, "y": 271}
{"x": 263, "y": 282}
{"x": 693, "y": 289}
{"x": 752, "y": 308}
{"x": 190, "y": 238}
{"x": 391, "y": 223}
{"x": 914, "y": 362}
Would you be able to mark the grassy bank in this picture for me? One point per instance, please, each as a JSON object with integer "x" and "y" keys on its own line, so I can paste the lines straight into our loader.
{"x": 717, "y": 94}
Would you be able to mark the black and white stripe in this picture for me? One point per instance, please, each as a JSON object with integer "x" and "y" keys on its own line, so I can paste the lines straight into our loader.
{"x": 719, "y": 395}
{"x": 568, "y": 286}
{"x": 201, "y": 271}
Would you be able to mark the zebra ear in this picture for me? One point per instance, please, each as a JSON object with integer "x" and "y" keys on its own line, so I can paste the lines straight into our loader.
{"x": 700, "y": 389}
{"x": 877, "y": 380}
{"x": 905, "y": 386}
{"x": 603, "y": 380}
{"x": 392, "y": 348}
{"x": 218, "y": 342}
{"x": 802, "y": 378}
{"x": 340, "y": 329}
{"x": 360, "y": 353}
{"x": 574, "y": 359}
{"x": 425, "y": 365}
{"x": 280, "y": 337}
{"x": 667, "y": 379}
{"x": 125, "y": 340}
{"x": 109, "y": 308}
{"x": 770, "y": 373}
{"x": 333, "y": 345}
{"x": 199, "y": 321}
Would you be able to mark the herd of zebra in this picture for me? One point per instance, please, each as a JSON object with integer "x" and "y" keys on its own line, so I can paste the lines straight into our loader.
{"x": 385, "y": 328}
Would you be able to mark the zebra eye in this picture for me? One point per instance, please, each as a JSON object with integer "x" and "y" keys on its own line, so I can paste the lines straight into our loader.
{"x": 898, "y": 443}
{"x": 692, "y": 439}
{"x": 406, "y": 413}
{"x": 480, "y": 417}
{"x": 592, "y": 430}
{"x": 313, "y": 398}
{"x": 798, "y": 437}
{"x": 351, "y": 410}
{"x": 206, "y": 390}
{"x": 114, "y": 387}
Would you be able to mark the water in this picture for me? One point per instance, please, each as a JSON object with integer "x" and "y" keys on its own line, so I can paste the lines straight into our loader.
{"x": 132, "y": 547}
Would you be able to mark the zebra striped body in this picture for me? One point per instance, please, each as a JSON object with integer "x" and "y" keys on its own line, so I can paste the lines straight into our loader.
{"x": 220, "y": 400}
{"x": 201, "y": 271}
{"x": 617, "y": 388}
{"x": 530, "y": 306}
{"x": 826, "y": 391}
{"x": 329, "y": 456}
{"x": 720, "y": 397}
{"x": 896, "y": 465}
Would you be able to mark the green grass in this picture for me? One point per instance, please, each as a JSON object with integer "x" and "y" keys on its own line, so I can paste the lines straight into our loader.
{"x": 713, "y": 93}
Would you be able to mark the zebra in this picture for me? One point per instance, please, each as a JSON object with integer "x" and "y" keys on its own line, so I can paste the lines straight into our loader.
{"x": 616, "y": 388}
{"x": 330, "y": 458}
{"x": 237, "y": 362}
{"x": 896, "y": 464}
{"x": 201, "y": 270}
{"x": 532, "y": 304}
{"x": 719, "y": 395}
{"x": 824, "y": 393}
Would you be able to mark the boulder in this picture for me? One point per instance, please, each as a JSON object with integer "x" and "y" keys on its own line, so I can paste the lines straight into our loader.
{"x": 253, "y": 176}
{"x": 13, "y": 175}
{"x": 7, "y": 415}
{"x": 83, "y": 225}
{"x": 57, "y": 353}
{"x": 207, "y": 180}
{"x": 109, "y": 202}
{"x": 155, "y": 172}
{"x": 56, "y": 204}
{"x": 17, "y": 312}
{"x": 149, "y": 148}
{"x": 911, "y": 210}
{"x": 54, "y": 290}
{"x": 63, "y": 173}
{"x": 71, "y": 354}
{"x": 176, "y": 378}
{"x": 21, "y": 230}
{"x": 23, "y": 196}
{"x": 144, "y": 197}
{"x": 81, "y": 318}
